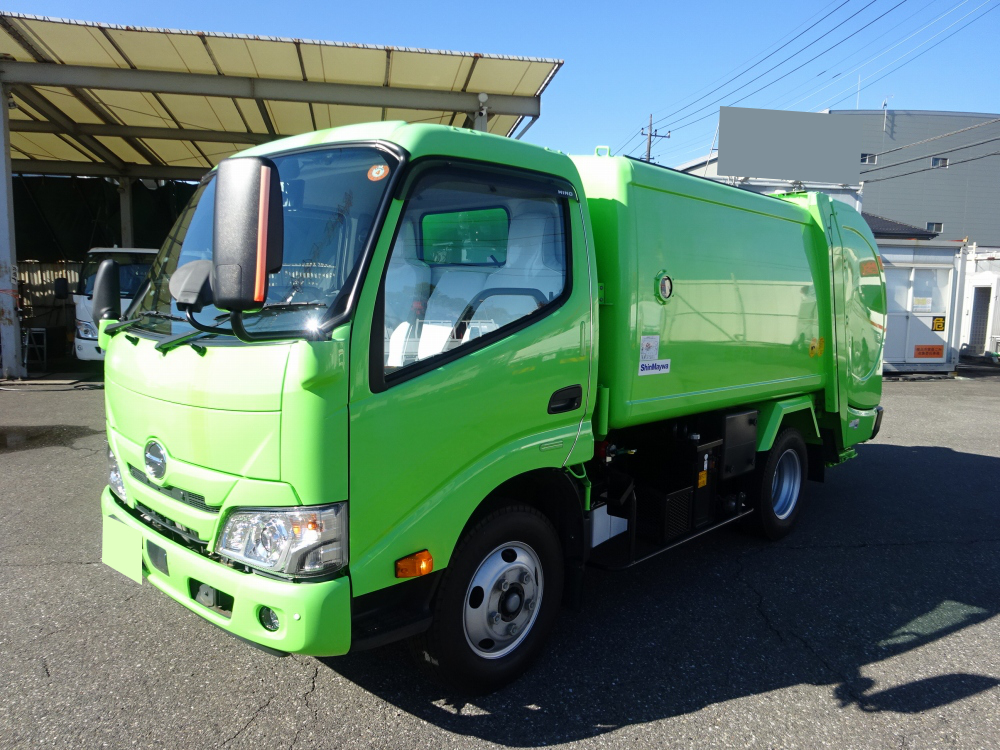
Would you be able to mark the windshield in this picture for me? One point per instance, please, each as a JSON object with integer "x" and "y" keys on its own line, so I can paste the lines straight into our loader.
{"x": 132, "y": 270}
{"x": 330, "y": 198}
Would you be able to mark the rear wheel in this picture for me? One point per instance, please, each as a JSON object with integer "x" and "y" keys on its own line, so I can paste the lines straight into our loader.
{"x": 498, "y": 601}
{"x": 780, "y": 484}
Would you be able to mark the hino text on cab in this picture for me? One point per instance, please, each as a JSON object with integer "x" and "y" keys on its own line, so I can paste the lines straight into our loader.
{"x": 407, "y": 381}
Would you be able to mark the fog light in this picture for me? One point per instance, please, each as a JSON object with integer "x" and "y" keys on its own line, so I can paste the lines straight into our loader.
{"x": 269, "y": 619}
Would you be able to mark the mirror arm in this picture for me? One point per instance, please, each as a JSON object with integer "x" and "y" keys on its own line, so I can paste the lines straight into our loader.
{"x": 198, "y": 326}
{"x": 236, "y": 321}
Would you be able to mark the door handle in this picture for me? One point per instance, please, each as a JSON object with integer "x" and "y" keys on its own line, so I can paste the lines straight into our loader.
{"x": 566, "y": 399}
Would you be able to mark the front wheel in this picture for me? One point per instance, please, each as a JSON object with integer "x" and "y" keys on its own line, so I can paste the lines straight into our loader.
{"x": 498, "y": 601}
{"x": 779, "y": 485}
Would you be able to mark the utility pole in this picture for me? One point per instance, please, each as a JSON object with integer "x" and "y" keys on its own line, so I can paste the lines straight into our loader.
{"x": 650, "y": 135}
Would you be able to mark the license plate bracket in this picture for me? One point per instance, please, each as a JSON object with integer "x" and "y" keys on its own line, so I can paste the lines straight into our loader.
{"x": 121, "y": 548}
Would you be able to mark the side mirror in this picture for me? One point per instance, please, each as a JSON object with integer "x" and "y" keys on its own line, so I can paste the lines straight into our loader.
{"x": 191, "y": 286}
{"x": 248, "y": 232}
{"x": 61, "y": 288}
{"x": 107, "y": 303}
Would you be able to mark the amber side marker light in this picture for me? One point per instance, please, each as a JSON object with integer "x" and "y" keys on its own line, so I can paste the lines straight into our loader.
{"x": 418, "y": 564}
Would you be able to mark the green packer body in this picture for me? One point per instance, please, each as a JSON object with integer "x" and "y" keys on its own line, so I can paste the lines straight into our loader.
{"x": 772, "y": 306}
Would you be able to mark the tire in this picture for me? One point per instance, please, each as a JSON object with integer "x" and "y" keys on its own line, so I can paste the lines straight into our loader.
{"x": 483, "y": 635}
{"x": 780, "y": 484}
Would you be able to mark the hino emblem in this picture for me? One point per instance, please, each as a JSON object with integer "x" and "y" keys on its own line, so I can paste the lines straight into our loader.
{"x": 156, "y": 460}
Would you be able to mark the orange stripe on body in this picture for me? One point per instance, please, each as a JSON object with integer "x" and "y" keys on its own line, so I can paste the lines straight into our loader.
{"x": 261, "y": 279}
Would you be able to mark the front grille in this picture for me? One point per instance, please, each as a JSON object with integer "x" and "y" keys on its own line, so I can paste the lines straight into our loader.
{"x": 182, "y": 496}
{"x": 164, "y": 526}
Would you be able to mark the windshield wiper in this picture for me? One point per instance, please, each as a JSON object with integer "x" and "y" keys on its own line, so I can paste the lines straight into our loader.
{"x": 289, "y": 305}
{"x": 184, "y": 338}
{"x": 122, "y": 325}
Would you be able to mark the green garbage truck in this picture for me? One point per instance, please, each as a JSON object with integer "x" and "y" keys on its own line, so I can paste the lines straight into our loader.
{"x": 394, "y": 380}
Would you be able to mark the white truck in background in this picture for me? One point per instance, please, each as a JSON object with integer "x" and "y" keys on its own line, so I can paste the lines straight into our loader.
{"x": 133, "y": 268}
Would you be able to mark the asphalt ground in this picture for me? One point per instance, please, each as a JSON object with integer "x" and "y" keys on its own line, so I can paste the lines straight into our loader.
{"x": 874, "y": 625}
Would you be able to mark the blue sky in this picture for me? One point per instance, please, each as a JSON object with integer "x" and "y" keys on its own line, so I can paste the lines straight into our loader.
{"x": 626, "y": 60}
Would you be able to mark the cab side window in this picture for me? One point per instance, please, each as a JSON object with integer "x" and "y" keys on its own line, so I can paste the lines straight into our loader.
{"x": 474, "y": 254}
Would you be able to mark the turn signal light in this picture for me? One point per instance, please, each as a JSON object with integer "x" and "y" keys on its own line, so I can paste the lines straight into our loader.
{"x": 418, "y": 564}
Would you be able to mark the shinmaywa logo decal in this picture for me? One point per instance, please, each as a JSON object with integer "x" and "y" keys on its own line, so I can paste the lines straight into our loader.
{"x": 657, "y": 367}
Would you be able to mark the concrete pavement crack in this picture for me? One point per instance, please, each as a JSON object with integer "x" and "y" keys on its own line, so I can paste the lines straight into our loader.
{"x": 305, "y": 696}
{"x": 843, "y": 679}
{"x": 249, "y": 722}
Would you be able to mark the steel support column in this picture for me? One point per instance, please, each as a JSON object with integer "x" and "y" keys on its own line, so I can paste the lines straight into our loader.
{"x": 125, "y": 209}
{"x": 10, "y": 326}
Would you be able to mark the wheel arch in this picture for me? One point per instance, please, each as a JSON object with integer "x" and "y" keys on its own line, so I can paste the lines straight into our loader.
{"x": 775, "y": 416}
{"x": 554, "y": 493}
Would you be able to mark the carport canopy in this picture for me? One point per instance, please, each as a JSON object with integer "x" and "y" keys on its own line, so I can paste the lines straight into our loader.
{"x": 127, "y": 102}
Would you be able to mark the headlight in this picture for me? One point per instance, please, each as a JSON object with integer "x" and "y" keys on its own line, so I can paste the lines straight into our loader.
{"x": 115, "y": 476}
{"x": 292, "y": 541}
{"x": 86, "y": 330}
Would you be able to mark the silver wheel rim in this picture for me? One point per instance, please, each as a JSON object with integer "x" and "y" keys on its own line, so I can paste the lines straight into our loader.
{"x": 786, "y": 484}
{"x": 503, "y": 600}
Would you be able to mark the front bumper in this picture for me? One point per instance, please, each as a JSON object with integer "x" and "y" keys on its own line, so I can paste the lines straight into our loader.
{"x": 315, "y": 617}
{"x": 87, "y": 349}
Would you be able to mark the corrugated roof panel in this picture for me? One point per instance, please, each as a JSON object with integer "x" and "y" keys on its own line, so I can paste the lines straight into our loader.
{"x": 290, "y": 118}
{"x": 251, "y": 113}
{"x": 418, "y": 115}
{"x": 178, "y": 52}
{"x": 257, "y": 59}
{"x": 501, "y": 125}
{"x": 365, "y": 67}
{"x": 498, "y": 77}
{"x": 73, "y": 44}
{"x": 216, "y": 152}
{"x": 412, "y": 70}
{"x": 175, "y": 153}
{"x": 91, "y": 44}
{"x": 10, "y": 46}
{"x": 328, "y": 116}
{"x": 134, "y": 108}
{"x": 536, "y": 76}
{"x": 45, "y": 146}
{"x": 122, "y": 150}
{"x": 275, "y": 59}
{"x": 205, "y": 112}
{"x": 68, "y": 104}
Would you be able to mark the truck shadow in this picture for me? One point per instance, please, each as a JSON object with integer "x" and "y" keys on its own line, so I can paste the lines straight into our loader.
{"x": 896, "y": 551}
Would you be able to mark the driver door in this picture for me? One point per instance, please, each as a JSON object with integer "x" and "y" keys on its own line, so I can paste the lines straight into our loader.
{"x": 475, "y": 366}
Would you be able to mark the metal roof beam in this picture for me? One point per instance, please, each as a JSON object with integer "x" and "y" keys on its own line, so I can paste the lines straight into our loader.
{"x": 200, "y": 84}
{"x": 47, "y": 109}
{"x": 92, "y": 169}
{"x": 122, "y": 131}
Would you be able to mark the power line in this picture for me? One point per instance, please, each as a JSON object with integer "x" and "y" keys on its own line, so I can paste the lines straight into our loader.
{"x": 922, "y": 53}
{"x": 858, "y": 67}
{"x": 874, "y": 57}
{"x": 936, "y": 153}
{"x": 769, "y": 55}
{"x": 785, "y": 75}
{"x": 738, "y": 67}
{"x": 751, "y": 58}
{"x": 778, "y": 65}
{"x": 943, "y": 135}
{"x": 927, "y": 169}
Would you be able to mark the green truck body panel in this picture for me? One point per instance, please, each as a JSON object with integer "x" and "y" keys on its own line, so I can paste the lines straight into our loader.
{"x": 738, "y": 325}
{"x": 774, "y": 305}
